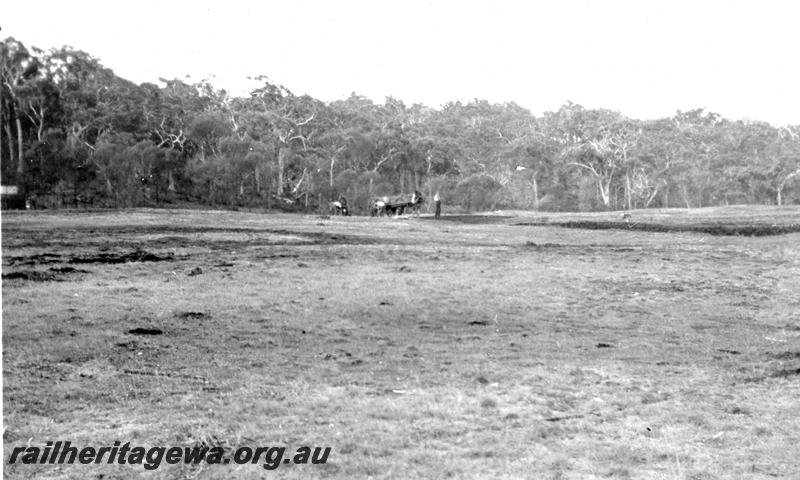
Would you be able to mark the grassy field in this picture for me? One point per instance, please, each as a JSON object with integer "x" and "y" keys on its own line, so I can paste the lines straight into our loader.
{"x": 492, "y": 346}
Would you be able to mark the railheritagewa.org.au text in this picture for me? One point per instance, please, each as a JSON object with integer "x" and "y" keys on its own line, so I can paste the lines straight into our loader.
{"x": 151, "y": 458}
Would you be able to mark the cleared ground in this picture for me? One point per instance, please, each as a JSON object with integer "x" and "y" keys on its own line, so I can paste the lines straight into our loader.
{"x": 494, "y": 346}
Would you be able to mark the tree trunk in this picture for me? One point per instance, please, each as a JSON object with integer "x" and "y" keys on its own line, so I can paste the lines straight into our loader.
{"x": 605, "y": 194}
{"x": 40, "y": 128}
{"x": 628, "y": 190}
{"x": 333, "y": 162}
{"x": 783, "y": 184}
{"x": 685, "y": 195}
{"x": 10, "y": 141}
{"x": 281, "y": 161}
{"x": 535, "y": 193}
{"x": 109, "y": 187}
{"x": 1, "y": 125}
{"x": 20, "y": 163}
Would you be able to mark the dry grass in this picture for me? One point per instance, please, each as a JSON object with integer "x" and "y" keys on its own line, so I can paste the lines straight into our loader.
{"x": 416, "y": 349}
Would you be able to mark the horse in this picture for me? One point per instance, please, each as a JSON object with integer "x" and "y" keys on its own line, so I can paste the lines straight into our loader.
{"x": 416, "y": 202}
{"x": 339, "y": 207}
{"x": 377, "y": 207}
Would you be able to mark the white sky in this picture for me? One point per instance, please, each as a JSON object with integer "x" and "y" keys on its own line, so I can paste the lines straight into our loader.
{"x": 646, "y": 59}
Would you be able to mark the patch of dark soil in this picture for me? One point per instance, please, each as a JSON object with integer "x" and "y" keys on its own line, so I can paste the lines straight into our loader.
{"x": 428, "y": 326}
{"x": 53, "y": 274}
{"x": 192, "y": 315}
{"x": 478, "y": 322}
{"x": 68, "y": 270}
{"x": 112, "y": 258}
{"x": 32, "y": 275}
{"x": 786, "y": 373}
{"x": 730, "y": 352}
{"x": 195, "y": 271}
{"x": 131, "y": 345}
{"x": 546, "y": 246}
{"x": 565, "y": 417}
{"x": 784, "y": 355}
{"x": 39, "y": 259}
{"x": 278, "y": 255}
{"x": 604, "y": 345}
{"x": 146, "y": 331}
{"x": 577, "y": 248}
{"x": 471, "y": 219}
{"x": 747, "y": 230}
{"x": 110, "y": 237}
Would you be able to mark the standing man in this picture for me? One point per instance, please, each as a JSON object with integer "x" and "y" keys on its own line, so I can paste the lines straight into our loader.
{"x": 437, "y": 200}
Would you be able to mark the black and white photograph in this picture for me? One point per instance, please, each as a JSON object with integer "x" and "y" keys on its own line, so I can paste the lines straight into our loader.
{"x": 429, "y": 239}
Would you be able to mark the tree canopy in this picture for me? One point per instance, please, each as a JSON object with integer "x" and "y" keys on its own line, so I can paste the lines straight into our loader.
{"x": 73, "y": 133}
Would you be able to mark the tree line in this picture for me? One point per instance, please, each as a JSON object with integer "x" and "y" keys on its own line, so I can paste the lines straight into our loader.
{"x": 72, "y": 133}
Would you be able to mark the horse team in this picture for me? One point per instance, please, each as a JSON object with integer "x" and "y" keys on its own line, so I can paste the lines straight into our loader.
{"x": 379, "y": 206}
{"x": 396, "y": 205}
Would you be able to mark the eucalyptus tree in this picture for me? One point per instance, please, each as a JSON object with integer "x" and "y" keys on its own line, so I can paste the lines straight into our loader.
{"x": 18, "y": 67}
{"x": 598, "y": 142}
{"x": 783, "y": 162}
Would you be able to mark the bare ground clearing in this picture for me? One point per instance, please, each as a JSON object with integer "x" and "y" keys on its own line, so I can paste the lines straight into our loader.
{"x": 470, "y": 348}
